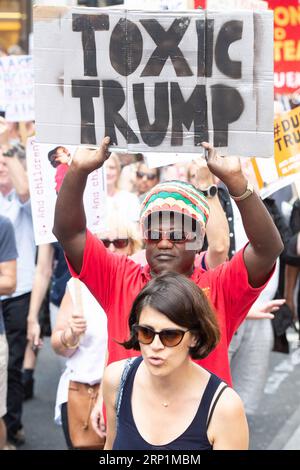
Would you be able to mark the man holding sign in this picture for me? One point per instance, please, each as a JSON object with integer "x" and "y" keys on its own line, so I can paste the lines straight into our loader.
{"x": 173, "y": 218}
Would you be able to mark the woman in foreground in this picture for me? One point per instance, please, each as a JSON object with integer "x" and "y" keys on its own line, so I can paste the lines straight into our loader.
{"x": 162, "y": 399}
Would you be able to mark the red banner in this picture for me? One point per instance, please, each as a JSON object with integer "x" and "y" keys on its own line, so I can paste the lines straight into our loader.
{"x": 286, "y": 45}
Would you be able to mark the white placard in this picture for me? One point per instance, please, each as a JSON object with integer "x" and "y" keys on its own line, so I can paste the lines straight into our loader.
{"x": 155, "y": 81}
{"x": 42, "y": 180}
{"x": 17, "y": 88}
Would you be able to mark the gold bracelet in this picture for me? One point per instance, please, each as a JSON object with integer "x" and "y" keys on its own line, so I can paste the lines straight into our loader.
{"x": 65, "y": 343}
{"x": 249, "y": 190}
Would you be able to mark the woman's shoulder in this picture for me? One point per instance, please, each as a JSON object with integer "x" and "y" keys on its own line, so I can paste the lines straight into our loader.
{"x": 228, "y": 428}
{"x": 113, "y": 372}
{"x": 229, "y": 403}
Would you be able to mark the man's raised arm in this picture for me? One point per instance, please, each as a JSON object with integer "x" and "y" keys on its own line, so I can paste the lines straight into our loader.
{"x": 70, "y": 221}
{"x": 265, "y": 241}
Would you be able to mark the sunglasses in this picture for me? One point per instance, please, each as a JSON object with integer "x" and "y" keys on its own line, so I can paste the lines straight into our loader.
{"x": 169, "y": 337}
{"x": 175, "y": 236}
{"x": 150, "y": 176}
{"x": 118, "y": 242}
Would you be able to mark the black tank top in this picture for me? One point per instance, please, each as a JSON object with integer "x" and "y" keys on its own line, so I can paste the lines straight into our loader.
{"x": 193, "y": 438}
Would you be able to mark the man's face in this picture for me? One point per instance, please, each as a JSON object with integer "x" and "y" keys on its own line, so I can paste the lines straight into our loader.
{"x": 5, "y": 180}
{"x": 163, "y": 254}
{"x": 146, "y": 178}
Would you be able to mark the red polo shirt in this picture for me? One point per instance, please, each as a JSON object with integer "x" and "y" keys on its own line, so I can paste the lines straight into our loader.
{"x": 115, "y": 281}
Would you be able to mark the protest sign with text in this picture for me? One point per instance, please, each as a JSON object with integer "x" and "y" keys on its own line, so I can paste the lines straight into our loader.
{"x": 17, "y": 88}
{"x": 287, "y": 142}
{"x": 265, "y": 173}
{"x": 275, "y": 173}
{"x": 43, "y": 191}
{"x": 286, "y": 45}
{"x": 155, "y": 81}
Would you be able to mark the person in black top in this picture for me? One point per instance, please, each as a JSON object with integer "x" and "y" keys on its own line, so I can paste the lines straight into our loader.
{"x": 163, "y": 400}
{"x": 8, "y": 279}
{"x": 293, "y": 263}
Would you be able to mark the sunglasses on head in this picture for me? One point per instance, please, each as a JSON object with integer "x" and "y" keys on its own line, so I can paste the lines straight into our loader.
{"x": 175, "y": 236}
{"x": 118, "y": 242}
{"x": 149, "y": 176}
{"x": 169, "y": 337}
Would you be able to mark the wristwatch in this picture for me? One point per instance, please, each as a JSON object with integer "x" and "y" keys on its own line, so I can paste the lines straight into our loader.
{"x": 247, "y": 193}
{"x": 211, "y": 191}
{"x": 11, "y": 152}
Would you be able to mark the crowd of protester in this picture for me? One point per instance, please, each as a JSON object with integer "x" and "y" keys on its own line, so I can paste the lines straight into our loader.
{"x": 91, "y": 286}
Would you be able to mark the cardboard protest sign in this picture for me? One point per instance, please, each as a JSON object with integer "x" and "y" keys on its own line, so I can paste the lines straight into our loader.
{"x": 287, "y": 142}
{"x": 286, "y": 36}
{"x": 155, "y": 81}
{"x": 17, "y": 88}
{"x": 273, "y": 174}
{"x": 265, "y": 172}
{"x": 44, "y": 179}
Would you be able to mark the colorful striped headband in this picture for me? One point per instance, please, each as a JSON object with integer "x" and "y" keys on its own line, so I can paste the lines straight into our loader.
{"x": 179, "y": 197}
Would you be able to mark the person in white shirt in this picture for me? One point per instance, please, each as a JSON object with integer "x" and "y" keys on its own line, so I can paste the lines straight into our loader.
{"x": 8, "y": 256}
{"x": 15, "y": 204}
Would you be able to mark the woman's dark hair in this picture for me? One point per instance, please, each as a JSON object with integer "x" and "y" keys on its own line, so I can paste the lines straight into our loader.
{"x": 185, "y": 304}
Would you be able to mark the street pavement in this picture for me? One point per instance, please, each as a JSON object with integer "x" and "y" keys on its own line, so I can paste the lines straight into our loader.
{"x": 275, "y": 426}
{"x": 38, "y": 415}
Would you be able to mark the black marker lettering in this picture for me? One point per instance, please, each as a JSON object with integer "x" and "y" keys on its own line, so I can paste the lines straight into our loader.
{"x": 227, "y": 107}
{"x": 186, "y": 112}
{"x": 114, "y": 99}
{"x": 152, "y": 134}
{"x": 88, "y": 24}
{"x": 86, "y": 90}
{"x": 126, "y": 47}
{"x": 230, "y": 32}
{"x": 167, "y": 46}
